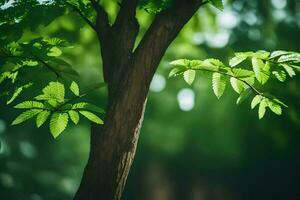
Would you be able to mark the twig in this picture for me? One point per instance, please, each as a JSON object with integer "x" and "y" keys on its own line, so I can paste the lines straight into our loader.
{"x": 82, "y": 15}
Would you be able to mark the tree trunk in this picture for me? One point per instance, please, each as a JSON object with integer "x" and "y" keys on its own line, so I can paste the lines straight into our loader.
{"x": 113, "y": 145}
{"x": 128, "y": 73}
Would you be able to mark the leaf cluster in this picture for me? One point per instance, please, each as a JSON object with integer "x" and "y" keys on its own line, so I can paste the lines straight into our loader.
{"x": 16, "y": 57}
{"x": 53, "y": 105}
{"x": 244, "y": 80}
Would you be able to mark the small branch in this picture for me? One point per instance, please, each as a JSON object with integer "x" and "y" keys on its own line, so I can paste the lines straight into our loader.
{"x": 163, "y": 30}
{"x": 229, "y": 75}
{"x": 77, "y": 97}
{"x": 82, "y": 15}
{"x": 35, "y": 58}
{"x": 47, "y": 66}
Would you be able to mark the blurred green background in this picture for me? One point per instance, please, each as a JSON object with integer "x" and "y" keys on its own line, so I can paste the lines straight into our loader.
{"x": 192, "y": 146}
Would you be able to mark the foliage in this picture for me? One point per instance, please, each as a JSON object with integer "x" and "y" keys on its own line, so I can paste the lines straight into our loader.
{"x": 264, "y": 65}
{"x": 19, "y": 57}
{"x": 53, "y": 105}
{"x": 156, "y": 6}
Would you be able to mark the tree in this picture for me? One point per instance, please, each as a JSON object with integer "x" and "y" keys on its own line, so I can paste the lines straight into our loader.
{"x": 128, "y": 71}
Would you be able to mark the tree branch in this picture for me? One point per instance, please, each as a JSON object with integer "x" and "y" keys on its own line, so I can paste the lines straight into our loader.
{"x": 161, "y": 33}
{"x": 124, "y": 33}
{"x": 102, "y": 23}
{"x": 82, "y": 15}
{"x": 35, "y": 58}
{"x": 103, "y": 30}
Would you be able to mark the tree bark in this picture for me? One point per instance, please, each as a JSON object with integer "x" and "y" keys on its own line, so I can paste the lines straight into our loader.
{"x": 128, "y": 74}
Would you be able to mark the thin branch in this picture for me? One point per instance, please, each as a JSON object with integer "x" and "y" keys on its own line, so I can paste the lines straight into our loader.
{"x": 163, "y": 30}
{"x": 82, "y": 15}
{"x": 238, "y": 78}
{"x": 35, "y": 58}
{"x": 47, "y": 66}
{"x": 78, "y": 97}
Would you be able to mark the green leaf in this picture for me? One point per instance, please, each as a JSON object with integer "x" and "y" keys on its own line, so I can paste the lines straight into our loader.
{"x": 54, "y": 90}
{"x": 262, "y": 108}
{"x": 42, "y": 117}
{"x": 255, "y": 101}
{"x": 274, "y": 107}
{"x": 54, "y": 52}
{"x": 249, "y": 80}
{"x": 261, "y": 54}
{"x": 87, "y": 106}
{"x": 237, "y": 85}
{"x": 218, "y": 4}
{"x": 291, "y": 57}
{"x": 58, "y": 123}
{"x": 26, "y": 116}
{"x": 236, "y": 60}
{"x": 289, "y": 70}
{"x": 258, "y": 68}
{"x": 74, "y": 88}
{"x": 53, "y": 103}
{"x": 180, "y": 62}
{"x": 242, "y": 73}
{"x": 4, "y": 76}
{"x": 74, "y": 116}
{"x": 30, "y": 63}
{"x": 18, "y": 91}
{"x": 280, "y": 75}
{"x": 29, "y": 104}
{"x": 276, "y": 54}
{"x": 178, "y": 70}
{"x": 92, "y": 117}
{"x": 218, "y": 84}
{"x": 244, "y": 54}
{"x": 189, "y": 76}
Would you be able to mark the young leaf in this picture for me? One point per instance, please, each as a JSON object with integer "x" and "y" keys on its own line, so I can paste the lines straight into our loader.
{"x": 237, "y": 85}
{"x": 58, "y": 123}
{"x": 189, "y": 76}
{"x": 92, "y": 117}
{"x": 74, "y": 116}
{"x": 54, "y": 90}
{"x": 244, "y": 54}
{"x": 17, "y": 92}
{"x": 275, "y": 108}
{"x": 280, "y": 75}
{"x": 54, "y": 52}
{"x": 177, "y": 71}
{"x": 258, "y": 68}
{"x": 180, "y": 62}
{"x": 261, "y": 54}
{"x": 25, "y": 116}
{"x": 218, "y": 84}
{"x": 289, "y": 70}
{"x": 74, "y": 88}
{"x": 255, "y": 101}
{"x": 42, "y": 117}
{"x": 262, "y": 108}
{"x": 236, "y": 60}
{"x": 29, "y": 104}
{"x": 242, "y": 73}
{"x": 291, "y": 57}
{"x": 276, "y": 54}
